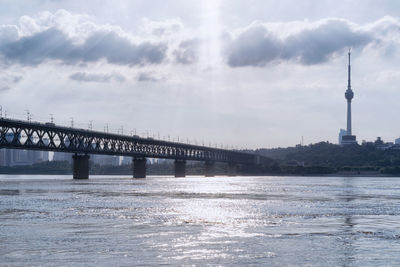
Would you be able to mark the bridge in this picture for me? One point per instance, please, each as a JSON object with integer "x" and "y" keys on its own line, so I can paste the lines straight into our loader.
{"x": 17, "y": 134}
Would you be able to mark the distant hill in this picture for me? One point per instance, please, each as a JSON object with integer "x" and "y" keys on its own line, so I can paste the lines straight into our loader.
{"x": 334, "y": 158}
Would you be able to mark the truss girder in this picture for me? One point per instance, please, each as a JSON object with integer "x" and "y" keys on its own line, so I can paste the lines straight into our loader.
{"x": 37, "y": 136}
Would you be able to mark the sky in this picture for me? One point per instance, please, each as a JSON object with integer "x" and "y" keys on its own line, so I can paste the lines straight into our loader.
{"x": 241, "y": 74}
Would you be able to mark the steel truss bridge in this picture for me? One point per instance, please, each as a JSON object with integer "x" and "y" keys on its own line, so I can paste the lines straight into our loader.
{"x": 18, "y": 134}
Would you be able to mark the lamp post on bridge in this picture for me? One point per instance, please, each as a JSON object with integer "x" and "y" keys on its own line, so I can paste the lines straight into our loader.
{"x": 28, "y": 115}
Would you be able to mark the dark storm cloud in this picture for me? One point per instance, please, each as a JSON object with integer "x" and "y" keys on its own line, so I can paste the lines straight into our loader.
{"x": 53, "y": 44}
{"x": 257, "y": 46}
{"x": 187, "y": 51}
{"x": 93, "y": 77}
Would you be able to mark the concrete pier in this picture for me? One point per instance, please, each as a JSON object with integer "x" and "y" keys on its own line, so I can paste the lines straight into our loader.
{"x": 80, "y": 166}
{"x": 180, "y": 168}
{"x": 139, "y": 167}
{"x": 209, "y": 168}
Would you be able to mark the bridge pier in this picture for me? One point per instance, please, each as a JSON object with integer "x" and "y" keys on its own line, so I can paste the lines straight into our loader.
{"x": 232, "y": 169}
{"x": 139, "y": 167}
{"x": 180, "y": 168}
{"x": 80, "y": 166}
{"x": 209, "y": 168}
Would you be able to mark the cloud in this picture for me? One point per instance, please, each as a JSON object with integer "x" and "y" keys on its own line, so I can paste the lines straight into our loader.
{"x": 254, "y": 47}
{"x": 161, "y": 28}
{"x": 53, "y": 44}
{"x": 315, "y": 46}
{"x": 187, "y": 51}
{"x": 258, "y": 45}
{"x": 50, "y": 38}
{"x": 8, "y": 80}
{"x": 148, "y": 77}
{"x": 96, "y": 77}
{"x": 76, "y": 40}
{"x": 8, "y": 33}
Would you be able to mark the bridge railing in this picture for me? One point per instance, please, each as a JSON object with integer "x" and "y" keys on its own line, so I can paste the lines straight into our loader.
{"x": 50, "y": 137}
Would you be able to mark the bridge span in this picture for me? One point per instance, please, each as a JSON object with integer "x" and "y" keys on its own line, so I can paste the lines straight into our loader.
{"x": 16, "y": 134}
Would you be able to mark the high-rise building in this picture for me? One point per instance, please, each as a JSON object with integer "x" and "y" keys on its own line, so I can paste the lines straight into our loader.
{"x": 348, "y": 138}
{"x": 342, "y": 132}
{"x": 126, "y": 160}
{"x": 105, "y": 159}
{"x": 3, "y": 157}
{"x": 61, "y": 156}
{"x": 44, "y": 155}
{"x": 8, "y": 157}
{"x": 12, "y": 157}
{"x": 397, "y": 141}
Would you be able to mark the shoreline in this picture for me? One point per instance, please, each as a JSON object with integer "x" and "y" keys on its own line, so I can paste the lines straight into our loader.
{"x": 345, "y": 174}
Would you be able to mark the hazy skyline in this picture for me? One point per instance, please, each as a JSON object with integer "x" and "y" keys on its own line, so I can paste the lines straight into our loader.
{"x": 242, "y": 73}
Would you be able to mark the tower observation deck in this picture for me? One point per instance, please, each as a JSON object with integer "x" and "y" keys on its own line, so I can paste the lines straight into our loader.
{"x": 348, "y": 138}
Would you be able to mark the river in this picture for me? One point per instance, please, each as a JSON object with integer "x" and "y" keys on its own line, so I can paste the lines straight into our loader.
{"x": 259, "y": 221}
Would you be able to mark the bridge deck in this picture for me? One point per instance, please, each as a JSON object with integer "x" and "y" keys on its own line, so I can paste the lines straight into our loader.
{"x": 50, "y": 137}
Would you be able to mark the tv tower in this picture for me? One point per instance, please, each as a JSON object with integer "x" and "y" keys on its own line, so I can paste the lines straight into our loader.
{"x": 349, "y": 138}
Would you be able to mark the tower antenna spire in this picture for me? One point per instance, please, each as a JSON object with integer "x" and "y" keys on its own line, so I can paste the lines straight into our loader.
{"x": 349, "y": 73}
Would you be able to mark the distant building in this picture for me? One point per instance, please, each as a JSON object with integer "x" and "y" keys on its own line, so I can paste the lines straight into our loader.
{"x": 126, "y": 161}
{"x": 105, "y": 159}
{"x": 61, "y": 156}
{"x": 380, "y": 144}
{"x": 3, "y": 157}
{"x": 13, "y": 157}
{"x": 397, "y": 141}
{"x": 342, "y": 132}
{"x": 44, "y": 155}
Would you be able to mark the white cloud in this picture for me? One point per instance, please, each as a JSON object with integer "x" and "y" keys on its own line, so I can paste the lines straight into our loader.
{"x": 161, "y": 29}
{"x": 8, "y": 33}
{"x": 96, "y": 77}
{"x": 52, "y": 41}
{"x": 310, "y": 43}
{"x": 73, "y": 39}
{"x": 8, "y": 80}
{"x": 187, "y": 51}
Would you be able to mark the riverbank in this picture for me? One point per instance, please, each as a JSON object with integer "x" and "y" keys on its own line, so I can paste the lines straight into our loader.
{"x": 197, "y": 168}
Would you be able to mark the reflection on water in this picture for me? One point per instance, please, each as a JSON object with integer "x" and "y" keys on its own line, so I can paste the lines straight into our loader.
{"x": 326, "y": 221}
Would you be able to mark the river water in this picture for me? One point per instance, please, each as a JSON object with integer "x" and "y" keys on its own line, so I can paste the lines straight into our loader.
{"x": 266, "y": 221}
